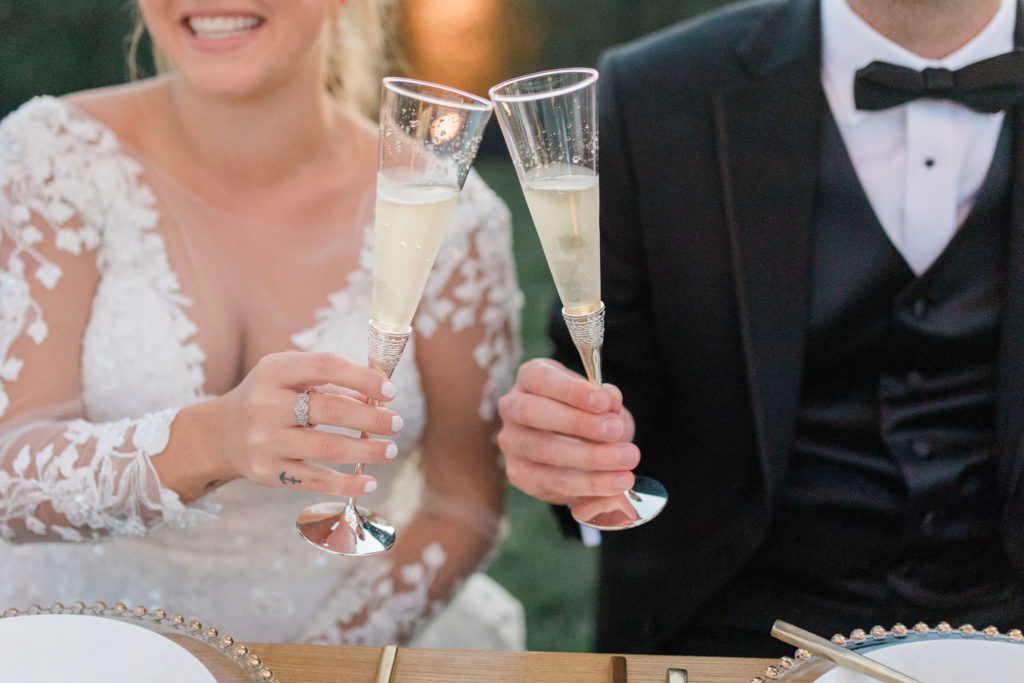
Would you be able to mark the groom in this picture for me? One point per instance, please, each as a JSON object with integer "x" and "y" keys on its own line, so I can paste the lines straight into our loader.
{"x": 815, "y": 294}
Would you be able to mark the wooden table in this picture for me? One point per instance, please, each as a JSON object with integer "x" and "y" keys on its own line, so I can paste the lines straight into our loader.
{"x": 323, "y": 664}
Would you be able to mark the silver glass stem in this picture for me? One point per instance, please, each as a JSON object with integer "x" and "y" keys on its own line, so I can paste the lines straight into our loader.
{"x": 343, "y": 528}
{"x": 646, "y": 499}
{"x": 587, "y": 332}
{"x": 385, "y": 350}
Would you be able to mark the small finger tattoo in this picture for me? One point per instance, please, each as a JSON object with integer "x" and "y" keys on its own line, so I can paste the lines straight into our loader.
{"x": 289, "y": 480}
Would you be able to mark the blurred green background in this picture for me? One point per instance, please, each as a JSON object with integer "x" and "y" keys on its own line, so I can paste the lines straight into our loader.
{"x": 60, "y": 46}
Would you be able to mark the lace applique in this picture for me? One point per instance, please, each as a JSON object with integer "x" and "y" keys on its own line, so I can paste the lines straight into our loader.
{"x": 68, "y": 170}
{"x": 63, "y": 174}
{"x": 116, "y": 495}
{"x": 390, "y": 614}
{"x": 479, "y": 249}
{"x": 34, "y": 184}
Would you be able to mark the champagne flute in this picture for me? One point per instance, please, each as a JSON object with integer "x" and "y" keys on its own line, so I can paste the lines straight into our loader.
{"x": 429, "y": 136}
{"x": 549, "y": 120}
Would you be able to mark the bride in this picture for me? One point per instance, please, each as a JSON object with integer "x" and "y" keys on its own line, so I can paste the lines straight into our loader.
{"x": 179, "y": 259}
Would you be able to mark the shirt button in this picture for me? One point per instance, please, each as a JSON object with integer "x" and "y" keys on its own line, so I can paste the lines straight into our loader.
{"x": 919, "y": 309}
{"x": 915, "y": 379}
{"x": 921, "y": 448}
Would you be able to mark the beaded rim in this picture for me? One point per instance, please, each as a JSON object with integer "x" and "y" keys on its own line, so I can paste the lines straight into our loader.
{"x": 247, "y": 661}
{"x": 878, "y": 635}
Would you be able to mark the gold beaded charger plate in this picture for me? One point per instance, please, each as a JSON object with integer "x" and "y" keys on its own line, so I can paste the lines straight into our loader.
{"x": 944, "y": 661}
{"x": 940, "y": 654}
{"x": 100, "y": 644}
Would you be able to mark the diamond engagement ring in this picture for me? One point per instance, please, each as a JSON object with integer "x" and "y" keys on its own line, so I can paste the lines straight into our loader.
{"x": 302, "y": 408}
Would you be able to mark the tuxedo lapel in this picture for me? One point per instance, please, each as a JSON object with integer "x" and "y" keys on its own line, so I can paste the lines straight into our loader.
{"x": 768, "y": 136}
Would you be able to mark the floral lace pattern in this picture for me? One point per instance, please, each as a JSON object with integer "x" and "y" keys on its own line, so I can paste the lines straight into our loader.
{"x": 243, "y": 567}
{"x": 393, "y": 614}
{"x": 117, "y": 494}
{"x": 33, "y": 183}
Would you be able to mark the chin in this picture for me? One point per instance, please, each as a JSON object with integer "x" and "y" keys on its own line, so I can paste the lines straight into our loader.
{"x": 224, "y": 82}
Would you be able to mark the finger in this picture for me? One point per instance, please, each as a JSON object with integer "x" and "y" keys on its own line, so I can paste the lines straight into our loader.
{"x": 613, "y": 510}
{"x": 560, "y": 485}
{"x": 302, "y": 475}
{"x": 320, "y": 446}
{"x": 553, "y": 380}
{"x": 345, "y": 411}
{"x": 562, "y": 451}
{"x": 335, "y": 390}
{"x": 548, "y": 414}
{"x": 300, "y": 369}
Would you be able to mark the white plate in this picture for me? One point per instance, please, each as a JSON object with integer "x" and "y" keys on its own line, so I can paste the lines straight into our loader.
{"x": 53, "y": 648}
{"x": 947, "y": 660}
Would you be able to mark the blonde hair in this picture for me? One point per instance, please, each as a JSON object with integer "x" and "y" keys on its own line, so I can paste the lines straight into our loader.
{"x": 360, "y": 51}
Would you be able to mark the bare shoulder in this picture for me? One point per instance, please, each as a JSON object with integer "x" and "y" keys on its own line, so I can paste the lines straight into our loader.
{"x": 122, "y": 108}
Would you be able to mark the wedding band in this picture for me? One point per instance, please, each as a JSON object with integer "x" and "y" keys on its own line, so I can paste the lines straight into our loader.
{"x": 302, "y": 408}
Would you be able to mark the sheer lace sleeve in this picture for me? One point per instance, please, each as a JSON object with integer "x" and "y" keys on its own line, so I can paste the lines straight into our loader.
{"x": 64, "y": 188}
{"x": 467, "y": 349}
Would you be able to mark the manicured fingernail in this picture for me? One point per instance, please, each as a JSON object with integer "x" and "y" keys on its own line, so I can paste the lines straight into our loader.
{"x": 388, "y": 390}
{"x": 370, "y": 487}
{"x": 396, "y": 423}
{"x": 611, "y": 428}
{"x": 623, "y": 481}
{"x": 599, "y": 401}
{"x": 390, "y": 452}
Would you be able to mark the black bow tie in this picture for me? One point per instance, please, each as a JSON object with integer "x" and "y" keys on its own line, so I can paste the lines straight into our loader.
{"x": 991, "y": 85}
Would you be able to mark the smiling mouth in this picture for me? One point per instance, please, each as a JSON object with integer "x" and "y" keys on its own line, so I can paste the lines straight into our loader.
{"x": 218, "y": 27}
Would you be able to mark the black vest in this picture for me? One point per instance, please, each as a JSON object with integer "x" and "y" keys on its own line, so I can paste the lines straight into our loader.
{"x": 889, "y": 510}
{"x": 893, "y": 457}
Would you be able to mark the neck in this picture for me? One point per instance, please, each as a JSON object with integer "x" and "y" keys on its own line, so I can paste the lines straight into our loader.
{"x": 929, "y": 28}
{"x": 254, "y": 140}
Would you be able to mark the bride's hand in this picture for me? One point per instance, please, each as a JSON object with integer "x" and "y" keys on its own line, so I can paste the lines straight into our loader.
{"x": 261, "y": 439}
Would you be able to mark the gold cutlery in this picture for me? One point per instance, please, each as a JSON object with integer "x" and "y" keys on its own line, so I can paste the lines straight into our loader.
{"x": 386, "y": 666}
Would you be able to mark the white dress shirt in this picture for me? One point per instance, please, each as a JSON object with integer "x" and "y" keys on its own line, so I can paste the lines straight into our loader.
{"x": 920, "y": 164}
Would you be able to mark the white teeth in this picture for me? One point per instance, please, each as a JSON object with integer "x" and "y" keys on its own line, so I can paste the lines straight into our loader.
{"x": 221, "y": 27}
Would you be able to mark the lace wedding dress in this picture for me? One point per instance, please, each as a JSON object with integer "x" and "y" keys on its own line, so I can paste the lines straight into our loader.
{"x": 95, "y": 239}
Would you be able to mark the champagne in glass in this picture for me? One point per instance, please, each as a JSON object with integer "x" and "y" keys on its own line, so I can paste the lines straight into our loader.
{"x": 564, "y": 210}
{"x": 549, "y": 120}
{"x": 429, "y": 136}
{"x": 409, "y": 227}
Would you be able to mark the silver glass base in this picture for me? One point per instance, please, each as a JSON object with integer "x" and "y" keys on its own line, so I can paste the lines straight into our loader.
{"x": 345, "y": 530}
{"x": 639, "y": 505}
{"x": 647, "y": 498}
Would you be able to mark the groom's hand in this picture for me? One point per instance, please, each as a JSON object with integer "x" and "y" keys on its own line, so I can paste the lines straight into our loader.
{"x": 563, "y": 437}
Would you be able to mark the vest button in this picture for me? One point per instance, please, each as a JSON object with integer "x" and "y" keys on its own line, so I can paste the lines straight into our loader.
{"x": 921, "y": 448}
{"x": 928, "y": 522}
{"x": 919, "y": 308}
{"x": 914, "y": 379}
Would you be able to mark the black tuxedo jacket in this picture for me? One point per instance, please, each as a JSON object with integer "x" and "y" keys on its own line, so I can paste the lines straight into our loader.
{"x": 709, "y": 155}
